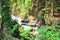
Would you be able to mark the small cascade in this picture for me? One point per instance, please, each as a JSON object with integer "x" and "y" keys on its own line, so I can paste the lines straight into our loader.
{"x": 25, "y": 24}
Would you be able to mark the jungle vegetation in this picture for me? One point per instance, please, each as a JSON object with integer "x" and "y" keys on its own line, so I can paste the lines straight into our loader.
{"x": 47, "y": 13}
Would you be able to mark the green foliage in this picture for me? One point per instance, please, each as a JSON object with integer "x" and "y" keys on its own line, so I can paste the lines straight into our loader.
{"x": 25, "y": 33}
{"x": 0, "y": 12}
{"x": 57, "y": 8}
{"x": 25, "y": 7}
{"x": 13, "y": 29}
{"x": 58, "y": 26}
{"x": 48, "y": 33}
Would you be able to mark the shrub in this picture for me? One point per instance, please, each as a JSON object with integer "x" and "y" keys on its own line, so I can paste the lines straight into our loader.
{"x": 48, "y": 33}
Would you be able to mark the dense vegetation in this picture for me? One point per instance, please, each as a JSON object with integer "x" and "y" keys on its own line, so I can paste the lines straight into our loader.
{"x": 43, "y": 10}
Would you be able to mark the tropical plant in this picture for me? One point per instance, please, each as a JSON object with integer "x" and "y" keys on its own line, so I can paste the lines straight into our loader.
{"x": 48, "y": 33}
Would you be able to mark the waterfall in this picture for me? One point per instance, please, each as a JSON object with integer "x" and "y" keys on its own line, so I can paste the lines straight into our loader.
{"x": 18, "y": 19}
